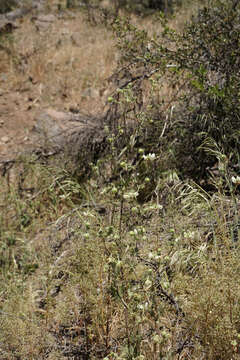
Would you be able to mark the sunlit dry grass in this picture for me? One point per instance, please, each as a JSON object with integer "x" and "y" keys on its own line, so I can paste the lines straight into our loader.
{"x": 66, "y": 65}
{"x": 71, "y": 277}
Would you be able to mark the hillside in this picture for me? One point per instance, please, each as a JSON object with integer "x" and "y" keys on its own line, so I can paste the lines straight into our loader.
{"x": 119, "y": 159}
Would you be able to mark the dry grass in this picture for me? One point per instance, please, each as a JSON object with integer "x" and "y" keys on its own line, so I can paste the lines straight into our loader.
{"x": 86, "y": 273}
{"x": 69, "y": 62}
{"x": 72, "y": 281}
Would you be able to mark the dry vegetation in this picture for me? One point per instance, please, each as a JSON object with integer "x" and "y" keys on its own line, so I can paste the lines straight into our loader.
{"x": 88, "y": 270}
{"x": 65, "y": 65}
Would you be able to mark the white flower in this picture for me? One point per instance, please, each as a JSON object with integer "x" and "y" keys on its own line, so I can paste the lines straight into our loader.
{"x": 235, "y": 180}
{"x": 130, "y": 195}
{"x": 148, "y": 284}
{"x": 150, "y": 255}
{"x": 150, "y": 157}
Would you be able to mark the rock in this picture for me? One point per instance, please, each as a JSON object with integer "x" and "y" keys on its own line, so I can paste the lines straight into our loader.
{"x": 75, "y": 135}
{"x": 5, "y": 139}
{"x": 43, "y": 22}
{"x": 48, "y": 125}
{"x": 55, "y": 126}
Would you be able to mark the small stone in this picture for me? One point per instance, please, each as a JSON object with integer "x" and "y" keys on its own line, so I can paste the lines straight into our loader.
{"x": 5, "y": 139}
{"x": 43, "y": 22}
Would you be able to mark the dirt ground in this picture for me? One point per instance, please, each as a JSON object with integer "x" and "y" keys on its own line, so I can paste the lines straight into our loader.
{"x": 55, "y": 59}
{"x": 16, "y": 123}
{"x": 52, "y": 61}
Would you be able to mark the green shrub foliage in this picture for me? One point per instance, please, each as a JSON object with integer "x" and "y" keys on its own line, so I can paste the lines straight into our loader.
{"x": 140, "y": 6}
{"x": 200, "y": 70}
{"x": 210, "y": 49}
{"x": 146, "y": 5}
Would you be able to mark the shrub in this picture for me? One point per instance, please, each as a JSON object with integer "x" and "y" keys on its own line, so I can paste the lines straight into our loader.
{"x": 210, "y": 51}
{"x": 193, "y": 79}
{"x": 140, "y": 6}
